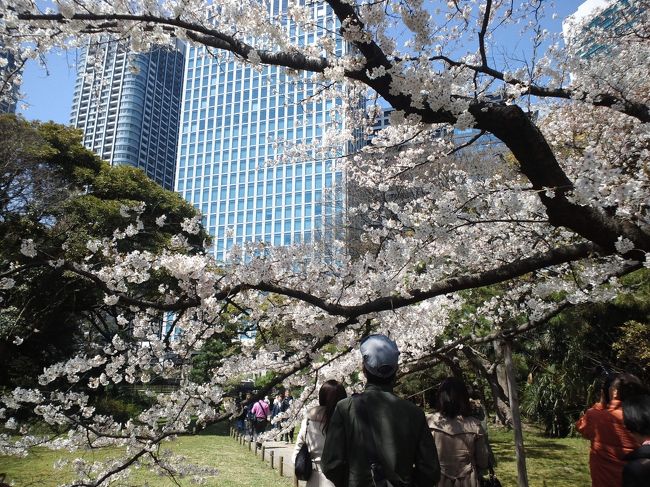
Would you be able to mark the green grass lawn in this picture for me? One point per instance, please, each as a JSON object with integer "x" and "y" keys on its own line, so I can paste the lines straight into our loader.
{"x": 237, "y": 466}
{"x": 551, "y": 463}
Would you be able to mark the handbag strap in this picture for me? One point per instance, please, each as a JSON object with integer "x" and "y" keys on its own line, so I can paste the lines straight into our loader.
{"x": 369, "y": 437}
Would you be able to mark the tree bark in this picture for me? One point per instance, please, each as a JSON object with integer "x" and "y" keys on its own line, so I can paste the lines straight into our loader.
{"x": 520, "y": 453}
{"x": 488, "y": 371}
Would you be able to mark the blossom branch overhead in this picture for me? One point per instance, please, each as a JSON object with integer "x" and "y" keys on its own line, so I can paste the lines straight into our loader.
{"x": 535, "y": 205}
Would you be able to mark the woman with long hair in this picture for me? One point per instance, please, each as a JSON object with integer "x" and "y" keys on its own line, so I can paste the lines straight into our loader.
{"x": 460, "y": 439}
{"x": 314, "y": 428}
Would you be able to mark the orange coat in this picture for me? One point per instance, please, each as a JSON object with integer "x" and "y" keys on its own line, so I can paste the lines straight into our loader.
{"x": 610, "y": 442}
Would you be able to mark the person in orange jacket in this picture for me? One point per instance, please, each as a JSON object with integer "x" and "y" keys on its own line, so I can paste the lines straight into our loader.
{"x": 603, "y": 425}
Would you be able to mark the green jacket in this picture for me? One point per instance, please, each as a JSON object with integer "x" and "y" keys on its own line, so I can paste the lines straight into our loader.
{"x": 404, "y": 442}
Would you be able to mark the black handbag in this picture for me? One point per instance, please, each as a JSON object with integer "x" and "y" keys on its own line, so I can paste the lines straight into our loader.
{"x": 490, "y": 481}
{"x": 303, "y": 466}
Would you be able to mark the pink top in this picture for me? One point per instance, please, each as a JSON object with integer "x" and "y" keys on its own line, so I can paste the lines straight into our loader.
{"x": 260, "y": 409}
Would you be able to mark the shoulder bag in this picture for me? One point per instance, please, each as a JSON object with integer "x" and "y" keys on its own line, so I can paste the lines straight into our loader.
{"x": 303, "y": 466}
{"x": 490, "y": 481}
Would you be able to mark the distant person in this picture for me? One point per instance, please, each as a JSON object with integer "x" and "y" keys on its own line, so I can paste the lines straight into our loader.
{"x": 287, "y": 401}
{"x": 603, "y": 425}
{"x": 636, "y": 416}
{"x": 260, "y": 414}
{"x": 460, "y": 439}
{"x": 404, "y": 453}
{"x": 313, "y": 429}
{"x": 241, "y": 415}
{"x": 276, "y": 408}
{"x": 245, "y": 407}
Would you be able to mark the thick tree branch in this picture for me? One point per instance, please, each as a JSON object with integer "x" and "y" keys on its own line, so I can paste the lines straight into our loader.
{"x": 375, "y": 58}
{"x": 352, "y": 312}
{"x": 445, "y": 286}
{"x": 538, "y": 163}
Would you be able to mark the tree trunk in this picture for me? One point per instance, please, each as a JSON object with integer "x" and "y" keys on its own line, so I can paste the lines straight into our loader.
{"x": 520, "y": 454}
{"x": 488, "y": 371}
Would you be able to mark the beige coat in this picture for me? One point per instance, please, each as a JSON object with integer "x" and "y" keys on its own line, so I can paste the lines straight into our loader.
{"x": 312, "y": 434}
{"x": 462, "y": 449}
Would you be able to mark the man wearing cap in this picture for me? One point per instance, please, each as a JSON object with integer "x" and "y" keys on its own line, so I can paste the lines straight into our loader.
{"x": 403, "y": 443}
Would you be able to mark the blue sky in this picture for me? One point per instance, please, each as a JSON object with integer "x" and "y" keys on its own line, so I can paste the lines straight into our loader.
{"x": 48, "y": 93}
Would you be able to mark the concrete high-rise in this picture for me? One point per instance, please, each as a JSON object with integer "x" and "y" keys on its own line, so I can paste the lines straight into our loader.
{"x": 128, "y": 105}
{"x": 237, "y": 120}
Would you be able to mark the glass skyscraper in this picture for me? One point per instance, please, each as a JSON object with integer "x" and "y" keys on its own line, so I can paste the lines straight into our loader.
{"x": 128, "y": 105}
{"x": 9, "y": 89}
{"x": 237, "y": 122}
{"x": 605, "y": 21}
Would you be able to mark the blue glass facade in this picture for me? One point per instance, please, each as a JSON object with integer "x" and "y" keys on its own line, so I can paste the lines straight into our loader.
{"x": 236, "y": 121}
{"x": 605, "y": 25}
{"x": 9, "y": 90}
{"x": 128, "y": 106}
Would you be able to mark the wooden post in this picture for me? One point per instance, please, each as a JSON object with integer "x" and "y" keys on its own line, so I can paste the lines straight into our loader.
{"x": 295, "y": 482}
{"x": 250, "y": 445}
{"x": 263, "y": 452}
{"x": 272, "y": 458}
{"x": 520, "y": 453}
{"x": 281, "y": 466}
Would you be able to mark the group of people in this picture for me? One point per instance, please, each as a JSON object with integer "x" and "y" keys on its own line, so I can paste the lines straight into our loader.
{"x": 618, "y": 426}
{"x": 256, "y": 417}
{"x": 376, "y": 438}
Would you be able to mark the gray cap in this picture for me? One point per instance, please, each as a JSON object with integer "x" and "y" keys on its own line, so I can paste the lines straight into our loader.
{"x": 380, "y": 355}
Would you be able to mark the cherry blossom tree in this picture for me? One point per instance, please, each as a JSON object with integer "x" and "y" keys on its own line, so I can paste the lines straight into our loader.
{"x": 555, "y": 214}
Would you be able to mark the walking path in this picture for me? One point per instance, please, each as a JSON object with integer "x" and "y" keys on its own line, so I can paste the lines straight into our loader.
{"x": 276, "y": 454}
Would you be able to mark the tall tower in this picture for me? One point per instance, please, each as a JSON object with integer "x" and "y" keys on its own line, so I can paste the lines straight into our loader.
{"x": 237, "y": 121}
{"x": 597, "y": 25}
{"x": 8, "y": 87}
{"x": 128, "y": 105}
